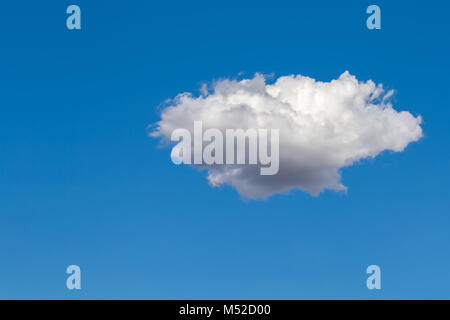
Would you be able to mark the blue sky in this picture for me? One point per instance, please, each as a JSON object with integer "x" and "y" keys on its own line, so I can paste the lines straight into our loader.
{"x": 82, "y": 183}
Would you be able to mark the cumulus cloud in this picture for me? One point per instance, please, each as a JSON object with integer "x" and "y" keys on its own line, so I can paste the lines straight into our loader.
{"x": 323, "y": 127}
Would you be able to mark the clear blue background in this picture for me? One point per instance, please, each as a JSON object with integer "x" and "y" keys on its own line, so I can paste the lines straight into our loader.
{"x": 82, "y": 183}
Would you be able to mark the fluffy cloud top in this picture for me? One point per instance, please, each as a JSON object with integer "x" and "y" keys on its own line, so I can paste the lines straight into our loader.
{"x": 323, "y": 126}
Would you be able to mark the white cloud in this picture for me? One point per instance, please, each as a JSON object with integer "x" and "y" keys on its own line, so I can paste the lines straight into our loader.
{"x": 324, "y": 126}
